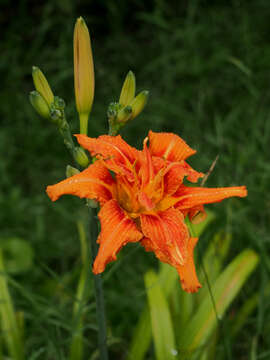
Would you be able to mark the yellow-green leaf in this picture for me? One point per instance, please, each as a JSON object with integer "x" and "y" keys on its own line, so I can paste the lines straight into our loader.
{"x": 161, "y": 321}
{"x": 225, "y": 289}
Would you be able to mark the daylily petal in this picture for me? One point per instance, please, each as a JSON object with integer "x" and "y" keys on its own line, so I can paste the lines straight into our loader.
{"x": 191, "y": 174}
{"x": 168, "y": 234}
{"x": 150, "y": 246}
{"x": 147, "y": 167}
{"x": 197, "y": 214}
{"x": 187, "y": 272}
{"x": 95, "y": 182}
{"x": 117, "y": 229}
{"x": 109, "y": 146}
{"x": 188, "y": 197}
{"x": 169, "y": 146}
{"x": 118, "y": 155}
{"x": 174, "y": 175}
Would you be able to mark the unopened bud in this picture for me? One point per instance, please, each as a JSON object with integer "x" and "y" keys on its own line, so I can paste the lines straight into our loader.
{"x": 84, "y": 81}
{"x": 39, "y": 104}
{"x": 128, "y": 89}
{"x": 42, "y": 85}
{"x": 139, "y": 103}
{"x": 70, "y": 171}
{"x": 124, "y": 114}
{"x": 81, "y": 157}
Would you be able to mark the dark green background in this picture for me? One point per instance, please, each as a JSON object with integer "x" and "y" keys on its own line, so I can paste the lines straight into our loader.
{"x": 207, "y": 66}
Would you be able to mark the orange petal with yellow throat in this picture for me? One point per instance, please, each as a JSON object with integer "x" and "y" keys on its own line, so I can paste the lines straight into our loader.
{"x": 187, "y": 271}
{"x": 188, "y": 197}
{"x": 95, "y": 182}
{"x": 168, "y": 234}
{"x": 117, "y": 229}
{"x": 169, "y": 146}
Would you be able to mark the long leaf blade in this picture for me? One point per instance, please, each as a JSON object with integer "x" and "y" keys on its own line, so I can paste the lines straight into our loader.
{"x": 161, "y": 322}
{"x": 225, "y": 289}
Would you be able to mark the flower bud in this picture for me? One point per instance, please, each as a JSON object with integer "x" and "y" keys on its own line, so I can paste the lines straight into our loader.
{"x": 70, "y": 171}
{"x": 84, "y": 81}
{"x": 124, "y": 114}
{"x": 139, "y": 103}
{"x": 42, "y": 85}
{"x": 128, "y": 89}
{"x": 39, "y": 104}
{"x": 81, "y": 157}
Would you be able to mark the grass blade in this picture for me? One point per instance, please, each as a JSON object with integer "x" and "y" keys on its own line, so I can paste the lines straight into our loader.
{"x": 11, "y": 333}
{"x": 225, "y": 289}
{"x": 141, "y": 337}
{"x": 161, "y": 322}
{"x": 143, "y": 333}
{"x": 76, "y": 347}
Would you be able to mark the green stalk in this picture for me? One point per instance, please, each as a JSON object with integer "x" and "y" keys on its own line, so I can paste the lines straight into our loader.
{"x": 64, "y": 130}
{"x": 84, "y": 123}
{"x": 11, "y": 332}
{"x": 76, "y": 348}
{"x": 100, "y": 306}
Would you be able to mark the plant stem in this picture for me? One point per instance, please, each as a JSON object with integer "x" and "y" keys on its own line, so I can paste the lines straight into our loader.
{"x": 100, "y": 306}
{"x": 68, "y": 140}
{"x": 84, "y": 123}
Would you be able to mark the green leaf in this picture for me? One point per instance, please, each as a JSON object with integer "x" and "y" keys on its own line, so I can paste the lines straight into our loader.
{"x": 9, "y": 325}
{"x": 198, "y": 229}
{"x": 161, "y": 322}
{"x": 76, "y": 346}
{"x": 141, "y": 339}
{"x": 213, "y": 260}
{"x": 225, "y": 289}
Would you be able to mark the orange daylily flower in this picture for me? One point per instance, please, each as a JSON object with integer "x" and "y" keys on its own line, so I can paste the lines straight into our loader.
{"x": 145, "y": 200}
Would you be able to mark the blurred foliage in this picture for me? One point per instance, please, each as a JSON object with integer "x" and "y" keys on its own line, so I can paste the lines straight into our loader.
{"x": 206, "y": 65}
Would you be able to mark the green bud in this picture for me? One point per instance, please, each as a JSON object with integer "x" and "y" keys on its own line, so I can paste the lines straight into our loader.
{"x": 39, "y": 104}
{"x": 139, "y": 103}
{"x": 128, "y": 89}
{"x": 124, "y": 114}
{"x": 84, "y": 78}
{"x": 81, "y": 157}
{"x": 42, "y": 85}
{"x": 70, "y": 171}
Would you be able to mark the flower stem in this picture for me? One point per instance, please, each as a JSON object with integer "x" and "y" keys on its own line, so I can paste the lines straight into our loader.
{"x": 84, "y": 123}
{"x": 100, "y": 306}
{"x": 64, "y": 130}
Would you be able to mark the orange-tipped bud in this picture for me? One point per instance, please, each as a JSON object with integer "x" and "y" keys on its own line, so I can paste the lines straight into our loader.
{"x": 84, "y": 81}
